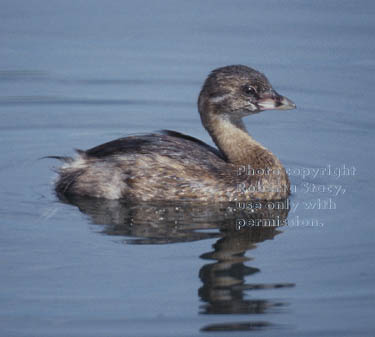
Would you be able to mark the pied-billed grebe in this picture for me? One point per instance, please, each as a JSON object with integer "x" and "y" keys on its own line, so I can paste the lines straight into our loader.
{"x": 173, "y": 166}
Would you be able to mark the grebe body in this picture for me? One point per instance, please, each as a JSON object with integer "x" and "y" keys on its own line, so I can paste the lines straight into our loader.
{"x": 173, "y": 166}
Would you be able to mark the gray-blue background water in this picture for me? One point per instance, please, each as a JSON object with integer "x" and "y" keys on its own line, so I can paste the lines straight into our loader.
{"x": 74, "y": 74}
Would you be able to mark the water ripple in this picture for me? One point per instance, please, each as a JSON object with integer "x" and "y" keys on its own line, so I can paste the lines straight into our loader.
{"x": 57, "y": 100}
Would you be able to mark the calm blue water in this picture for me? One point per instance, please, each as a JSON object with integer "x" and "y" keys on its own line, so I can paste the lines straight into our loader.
{"x": 74, "y": 74}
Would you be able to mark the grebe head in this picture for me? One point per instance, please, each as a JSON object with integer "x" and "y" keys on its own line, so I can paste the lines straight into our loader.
{"x": 233, "y": 92}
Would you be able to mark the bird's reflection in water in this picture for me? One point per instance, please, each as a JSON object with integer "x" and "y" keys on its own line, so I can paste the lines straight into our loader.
{"x": 238, "y": 227}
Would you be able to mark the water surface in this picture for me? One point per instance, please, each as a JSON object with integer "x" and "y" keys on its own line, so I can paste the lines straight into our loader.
{"x": 76, "y": 74}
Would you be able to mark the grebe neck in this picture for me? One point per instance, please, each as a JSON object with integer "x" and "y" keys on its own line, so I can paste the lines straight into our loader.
{"x": 233, "y": 139}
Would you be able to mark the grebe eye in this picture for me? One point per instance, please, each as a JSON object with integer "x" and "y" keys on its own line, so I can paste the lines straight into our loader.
{"x": 249, "y": 90}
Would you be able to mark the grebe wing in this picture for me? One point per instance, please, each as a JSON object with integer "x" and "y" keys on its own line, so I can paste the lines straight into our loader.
{"x": 126, "y": 145}
{"x": 194, "y": 140}
{"x": 145, "y": 144}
